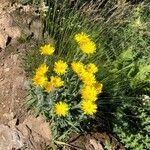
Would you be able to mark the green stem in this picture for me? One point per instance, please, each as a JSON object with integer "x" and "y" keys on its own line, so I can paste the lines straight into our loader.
{"x": 61, "y": 143}
{"x": 76, "y": 54}
{"x": 45, "y": 59}
{"x": 64, "y": 135}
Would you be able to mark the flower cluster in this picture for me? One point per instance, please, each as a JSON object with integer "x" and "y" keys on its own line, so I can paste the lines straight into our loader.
{"x": 85, "y": 43}
{"x": 90, "y": 89}
{"x": 40, "y": 77}
{"x": 70, "y": 90}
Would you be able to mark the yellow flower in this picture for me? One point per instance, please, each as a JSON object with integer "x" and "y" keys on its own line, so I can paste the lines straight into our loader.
{"x": 56, "y": 81}
{"x": 91, "y": 68}
{"x": 47, "y": 49}
{"x": 41, "y": 70}
{"x": 49, "y": 87}
{"x": 61, "y": 109}
{"x": 87, "y": 78}
{"x": 81, "y": 38}
{"x": 88, "y": 47}
{"x": 89, "y": 93}
{"x": 39, "y": 80}
{"x": 78, "y": 67}
{"x": 98, "y": 86}
{"x": 88, "y": 107}
{"x": 60, "y": 67}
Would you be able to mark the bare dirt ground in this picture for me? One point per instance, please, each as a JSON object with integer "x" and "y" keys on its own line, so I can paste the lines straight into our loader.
{"x": 12, "y": 86}
{"x": 14, "y": 24}
{"x": 12, "y": 76}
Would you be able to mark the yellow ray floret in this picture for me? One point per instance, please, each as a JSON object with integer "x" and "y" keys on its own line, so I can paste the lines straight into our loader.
{"x": 60, "y": 67}
{"x": 82, "y": 38}
{"x": 98, "y": 86}
{"x": 56, "y": 81}
{"x": 87, "y": 78}
{"x": 77, "y": 67}
{"x": 39, "y": 80}
{"x": 89, "y": 93}
{"x": 88, "y": 107}
{"x": 41, "y": 70}
{"x": 49, "y": 87}
{"x": 61, "y": 109}
{"x": 91, "y": 68}
{"x": 88, "y": 47}
{"x": 47, "y": 49}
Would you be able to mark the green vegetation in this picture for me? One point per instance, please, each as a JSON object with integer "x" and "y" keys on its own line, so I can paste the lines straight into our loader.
{"x": 122, "y": 34}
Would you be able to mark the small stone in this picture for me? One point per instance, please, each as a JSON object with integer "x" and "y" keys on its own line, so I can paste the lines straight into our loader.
{"x": 12, "y": 123}
{"x": 2, "y": 64}
{"x": 10, "y": 138}
{"x": 9, "y": 116}
{"x": 6, "y": 69}
{"x": 39, "y": 126}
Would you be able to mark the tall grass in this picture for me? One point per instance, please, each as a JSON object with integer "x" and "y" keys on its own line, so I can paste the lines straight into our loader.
{"x": 97, "y": 18}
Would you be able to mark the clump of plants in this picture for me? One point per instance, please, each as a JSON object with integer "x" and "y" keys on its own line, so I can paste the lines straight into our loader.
{"x": 120, "y": 50}
{"x": 134, "y": 125}
{"x": 66, "y": 93}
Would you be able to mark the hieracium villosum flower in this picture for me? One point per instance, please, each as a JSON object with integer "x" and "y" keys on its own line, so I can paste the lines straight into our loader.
{"x": 61, "y": 109}
{"x": 88, "y": 107}
{"x": 60, "y": 67}
{"x": 47, "y": 49}
{"x": 85, "y": 43}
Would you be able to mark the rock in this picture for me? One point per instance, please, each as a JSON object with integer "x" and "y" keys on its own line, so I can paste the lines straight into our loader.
{"x": 12, "y": 123}
{"x": 14, "y": 33}
{"x": 12, "y": 89}
{"x": 39, "y": 126}
{"x": 95, "y": 145}
{"x": 3, "y": 39}
{"x": 9, "y": 32}
{"x": 37, "y": 28}
{"x": 33, "y": 133}
{"x": 10, "y": 139}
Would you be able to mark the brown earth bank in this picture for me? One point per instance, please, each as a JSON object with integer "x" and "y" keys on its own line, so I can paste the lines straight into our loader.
{"x": 18, "y": 128}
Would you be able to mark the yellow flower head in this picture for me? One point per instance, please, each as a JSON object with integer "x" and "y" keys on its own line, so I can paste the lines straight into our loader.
{"x": 61, "y": 109}
{"x": 87, "y": 78}
{"x": 98, "y": 86}
{"x": 78, "y": 67}
{"x": 89, "y": 93}
{"x": 88, "y": 107}
{"x": 88, "y": 47}
{"x": 91, "y": 68}
{"x": 81, "y": 38}
{"x": 41, "y": 70}
{"x": 60, "y": 67}
{"x": 39, "y": 80}
{"x": 49, "y": 87}
{"x": 56, "y": 81}
{"x": 47, "y": 49}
